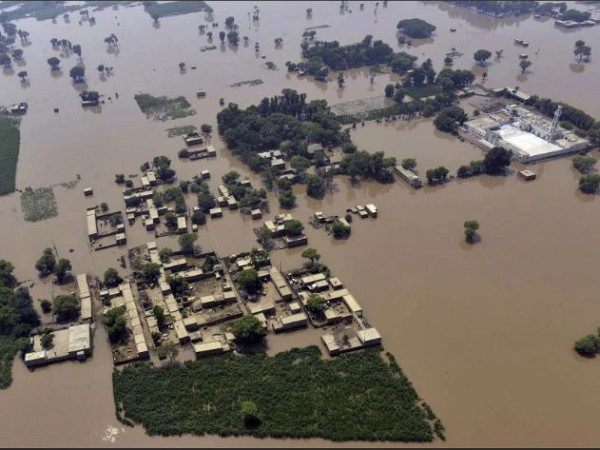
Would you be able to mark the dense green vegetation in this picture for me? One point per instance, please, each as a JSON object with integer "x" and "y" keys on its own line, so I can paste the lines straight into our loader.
{"x": 9, "y": 153}
{"x": 116, "y": 324}
{"x": 352, "y": 397}
{"x": 248, "y": 329}
{"x": 340, "y": 230}
{"x": 588, "y": 345}
{"x": 416, "y": 28}
{"x": 320, "y": 56}
{"x": 497, "y": 8}
{"x": 449, "y": 119}
{"x": 589, "y": 184}
{"x": 66, "y": 308}
{"x": 584, "y": 164}
{"x": 163, "y": 108}
{"x": 41, "y": 10}
{"x": 17, "y": 318}
{"x": 285, "y": 122}
{"x": 156, "y": 9}
{"x": 337, "y": 57}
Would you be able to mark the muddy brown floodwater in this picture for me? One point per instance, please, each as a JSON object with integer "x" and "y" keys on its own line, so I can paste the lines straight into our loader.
{"x": 484, "y": 332}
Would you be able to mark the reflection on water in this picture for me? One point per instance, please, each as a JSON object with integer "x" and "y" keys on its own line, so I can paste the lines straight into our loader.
{"x": 477, "y": 330}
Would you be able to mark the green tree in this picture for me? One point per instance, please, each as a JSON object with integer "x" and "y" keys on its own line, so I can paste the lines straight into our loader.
{"x": 47, "y": 262}
{"x": 206, "y": 201}
{"x": 449, "y": 118}
{"x": 315, "y": 186}
{"x": 151, "y": 271}
{"x": 287, "y": 200}
{"x": 471, "y": 227}
{"x": 464, "y": 172}
{"x": 588, "y": 184}
{"x": 112, "y": 277}
{"x": 7, "y": 279}
{"x": 293, "y": 227}
{"x": 496, "y": 160}
{"x": 416, "y": 28}
{"x": 299, "y": 163}
{"x": 340, "y": 230}
{"x": 264, "y": 236}
{"x": 206, "y": 128}
{"x": 159, "y": 315}
{"x": 170, "y": 220}
{"x": 54, "y": 63}
{"x": 584, "y": 164}
{"x": 250, "y": 414}
{"x": 178, "y": 284}
{"x": 311, "y": 254}
{"x": 248, "y": 280}
{"x": 588, "y": 345}
{"x": 104, "y": 206}
{"x": 198, "y": 218}
{"x": 409, "y": 163}
{"x": 169, "y": 350}
{"x": 481, "y": 56}
{"x": 315, "y": 303}
{"x": 119, "y": 178}
{"x": 63, "y": 266}
{"x": 46, "y": 306}
{"x": 524, "y": 65}
{"x": 116, "y": 324}
{"x": 66, "y": 308}
{"x": 165, "y": 254}
{"x": 222, "y": 36}
{"x": 389, "y": 90}
{"x": 186, "y": 242}
{"x": 77, "y": 73}
{"x": 248, "y": 329}
{"x": 47, "y": 341}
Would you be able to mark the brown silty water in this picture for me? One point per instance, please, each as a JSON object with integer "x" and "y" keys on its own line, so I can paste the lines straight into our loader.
{"x": 484, "y": 332}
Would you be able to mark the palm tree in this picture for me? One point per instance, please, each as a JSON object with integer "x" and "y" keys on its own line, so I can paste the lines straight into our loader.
{"x": 22, "y": 75}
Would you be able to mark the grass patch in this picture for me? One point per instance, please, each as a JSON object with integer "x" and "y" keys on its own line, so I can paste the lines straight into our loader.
{"x": 38, "y": 204}
{"x": 9, "y": 153}
{"x": 180, "y": 131}
{"x": 418, "y": 92}
{"x": 352, "y": 397}
{"x": 164, "y": 108}
{"x": 175, "y": 8}
{"x": 8, "y": 349}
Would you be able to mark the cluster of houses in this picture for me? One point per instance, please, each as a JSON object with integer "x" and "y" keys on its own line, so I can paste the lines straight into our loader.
{"x": 278, "y": 231}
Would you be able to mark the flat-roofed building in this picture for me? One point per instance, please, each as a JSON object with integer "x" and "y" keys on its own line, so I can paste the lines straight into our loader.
{"x": 208, "y": 348}
{"x": 181, "y": 332}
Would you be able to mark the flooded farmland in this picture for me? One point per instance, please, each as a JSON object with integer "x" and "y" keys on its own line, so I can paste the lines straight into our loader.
{"x": 484, "y": 332}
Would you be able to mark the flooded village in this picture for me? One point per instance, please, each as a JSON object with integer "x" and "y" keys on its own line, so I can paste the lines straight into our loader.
{"x": 484, "y": 331}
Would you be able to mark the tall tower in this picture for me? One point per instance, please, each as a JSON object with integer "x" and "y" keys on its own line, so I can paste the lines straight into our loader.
{"x": 555, "y": 122}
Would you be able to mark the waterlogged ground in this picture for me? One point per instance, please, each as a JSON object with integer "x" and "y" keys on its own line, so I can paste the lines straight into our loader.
{"x": 484, "y": 332}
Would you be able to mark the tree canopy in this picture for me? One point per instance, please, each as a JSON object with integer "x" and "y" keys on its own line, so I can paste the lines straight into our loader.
{"x": 482, "y": 55}
{"x": 66, "y": 308}
{"x": 47, "y": 262}
{"x": 293, "y": 227}
{"x": 112, "y": 277}
{"x": 416, "y": 28}
{"x": 248, "y": 280}
{"x": 248, "y": 329}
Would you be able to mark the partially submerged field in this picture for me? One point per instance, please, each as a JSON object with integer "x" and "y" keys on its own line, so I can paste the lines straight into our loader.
{"x": 9, "y": 153}
{"x": 38, "y": 204}
{"x": 164, "y": 108}
{"x": 352, "y": 397}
